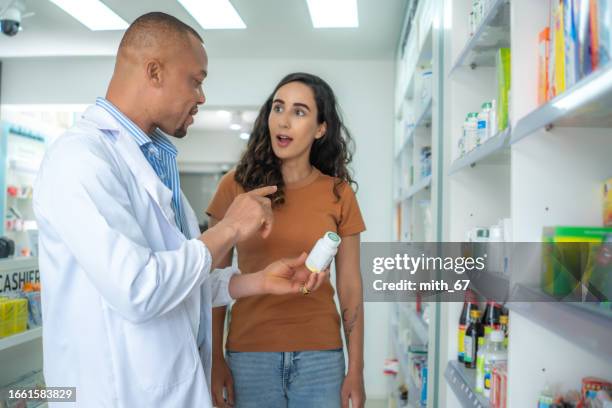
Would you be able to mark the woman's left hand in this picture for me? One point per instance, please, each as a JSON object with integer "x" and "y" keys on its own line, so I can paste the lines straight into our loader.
{"x": 291, "y": 276}
{"x": 353, "y": 390}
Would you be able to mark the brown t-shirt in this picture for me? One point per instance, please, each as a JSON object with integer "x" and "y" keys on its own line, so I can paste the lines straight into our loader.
{"x": 290, "y": 322}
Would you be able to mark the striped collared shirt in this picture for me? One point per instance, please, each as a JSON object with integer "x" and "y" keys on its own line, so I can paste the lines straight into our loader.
{"x": 159, "y": 152}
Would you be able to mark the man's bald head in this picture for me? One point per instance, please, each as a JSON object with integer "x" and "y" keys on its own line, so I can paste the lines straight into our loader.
{"x": 154, "y": 30}
{"x": 158, "y": 74}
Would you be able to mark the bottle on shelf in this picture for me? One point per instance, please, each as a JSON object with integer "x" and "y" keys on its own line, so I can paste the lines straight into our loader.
{"x": 503, "y": 326}
{"x": 490, "y": 318}
{"x": 468, "y": 305}
{"x": 471, "y": 131}
{"x": 482, "y": 132}
{"x": 482, "y": 349}
{"x": 494, "y": 354}
{"x": 473, "y": 332}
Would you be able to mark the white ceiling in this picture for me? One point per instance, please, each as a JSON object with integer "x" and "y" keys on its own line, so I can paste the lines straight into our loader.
{"x": 275, "y": 28}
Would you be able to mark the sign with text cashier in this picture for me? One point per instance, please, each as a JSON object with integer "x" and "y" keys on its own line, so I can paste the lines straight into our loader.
{"x": 16, "y": 272}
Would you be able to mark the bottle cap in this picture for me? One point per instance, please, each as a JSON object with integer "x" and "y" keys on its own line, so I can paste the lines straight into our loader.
{"x": 332, "y": 239}
{"x": 497, "y": 336}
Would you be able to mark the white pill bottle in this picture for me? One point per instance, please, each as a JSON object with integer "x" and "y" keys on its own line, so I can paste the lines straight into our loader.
{"x": 323, "y": 252}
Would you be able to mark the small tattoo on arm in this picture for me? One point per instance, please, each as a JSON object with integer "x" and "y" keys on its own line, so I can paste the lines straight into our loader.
{"x": 349, "y": 321}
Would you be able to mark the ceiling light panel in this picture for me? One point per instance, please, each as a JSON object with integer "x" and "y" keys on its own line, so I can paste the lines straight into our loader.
{"x": 93, "y": 14}
{"x": 333, "y": 13}
{"x": 214, "y": 14}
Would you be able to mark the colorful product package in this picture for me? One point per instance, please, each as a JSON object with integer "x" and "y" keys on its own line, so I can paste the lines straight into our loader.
{"x": 34, "y": 309}
{"x": 591, "y": 386}
{"x": 543, "y": 53}
{"x": 424, "y": 385}
{"x": 570, "y": 37}
{"x": 557, "y": 58}
{"x": 504, "y": 85}
{"x": 13, "y": 316}
{"x": 583, "y": 29}
{"x": 569, "y": 259}
{"x": 499, "y": 386}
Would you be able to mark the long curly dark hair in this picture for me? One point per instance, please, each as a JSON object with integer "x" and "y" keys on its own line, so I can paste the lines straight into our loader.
{"x": 331, "y": 154}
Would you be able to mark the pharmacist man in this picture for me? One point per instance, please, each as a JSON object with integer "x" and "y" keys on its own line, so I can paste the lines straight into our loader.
{"x": 127, "y": 281}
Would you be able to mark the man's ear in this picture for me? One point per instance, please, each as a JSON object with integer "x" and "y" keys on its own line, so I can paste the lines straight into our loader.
{"x": 154, "y": 72}
{"x": 322, "y": 130}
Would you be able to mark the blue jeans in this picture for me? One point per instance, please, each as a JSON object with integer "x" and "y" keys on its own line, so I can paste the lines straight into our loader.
{"x": 301, "y": 379}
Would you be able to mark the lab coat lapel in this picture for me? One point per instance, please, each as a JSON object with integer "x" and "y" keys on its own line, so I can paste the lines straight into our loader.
{"x": 129, "y": 150}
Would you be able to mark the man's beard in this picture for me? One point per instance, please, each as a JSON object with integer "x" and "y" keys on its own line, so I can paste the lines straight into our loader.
{"x": 181, "y": 132}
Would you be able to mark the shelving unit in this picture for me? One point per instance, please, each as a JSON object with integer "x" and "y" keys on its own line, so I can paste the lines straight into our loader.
{"x": 545, "y": 169}
{"x": 585, "y": 105}
{"x": 493, "y": 33}
{"x": 463, "y": 383}
{"x": 419, "y": 186}
{"x": 405, "y": 314}
{"x": 494, "y": 151}
{"x": 419, "y": 327}
{"x": 583, "y": 324}
{"x": 20, "y": 338}
{"x": 423, "y": 121}
{"x": 20, "y": 353}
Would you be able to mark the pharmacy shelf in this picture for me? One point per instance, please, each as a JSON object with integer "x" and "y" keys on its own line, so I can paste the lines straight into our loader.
{"x": 18, "y": 264}
{"x": 424, "y": 58}
{"x": 405, "y": 371}
{"x": 417, "y": 187}
{"x": 423, "y": 120}
{"x": 586, "y": 104}
{"x": 419, "y": 327}
{"x": 490, "y": 285}
{"x": 493, "y": 151}
{"x": 583, "y": 324}
{"x": 20, "y": 338}
{"x": 463, "y": 383}
{"x": 492, "y": 34}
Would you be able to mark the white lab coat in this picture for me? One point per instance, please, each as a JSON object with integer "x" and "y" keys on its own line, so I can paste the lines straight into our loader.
{"x": 123, "y": 291}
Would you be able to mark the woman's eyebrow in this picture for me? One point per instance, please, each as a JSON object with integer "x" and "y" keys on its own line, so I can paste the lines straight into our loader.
{"x": 299, "y": 104}
{"x": 302, "y": 105}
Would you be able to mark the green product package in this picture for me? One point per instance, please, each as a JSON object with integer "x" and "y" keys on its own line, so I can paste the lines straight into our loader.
{"x": 503, "y": 60}
{"x": 575, "y": 256}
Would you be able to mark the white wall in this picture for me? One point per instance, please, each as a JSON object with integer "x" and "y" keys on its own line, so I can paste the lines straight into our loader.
{"x": 365, "y": 90}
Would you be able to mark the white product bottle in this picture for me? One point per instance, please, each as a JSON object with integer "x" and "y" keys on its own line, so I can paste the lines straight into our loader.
{"x": 471, "y": 130}
{"x": 487, "y": 109}
{"x": 494, "y": 354}
{"x": 323, "y": 252}
{"x": 493, "y": 118}
{"x": 481, "y": 132}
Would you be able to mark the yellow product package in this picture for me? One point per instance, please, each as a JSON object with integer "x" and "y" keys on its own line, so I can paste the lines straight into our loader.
{"x": 13, "y": 316}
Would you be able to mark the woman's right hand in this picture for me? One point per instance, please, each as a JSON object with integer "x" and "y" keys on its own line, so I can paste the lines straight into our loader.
{"x": 222, "y": 380}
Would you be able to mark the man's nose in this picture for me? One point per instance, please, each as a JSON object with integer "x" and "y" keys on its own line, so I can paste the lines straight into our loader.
{"x": 202, "y": 97}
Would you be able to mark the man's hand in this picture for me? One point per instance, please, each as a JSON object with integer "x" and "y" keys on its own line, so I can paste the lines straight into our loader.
{"x": 250, "y": 212}
{"x": 222, "y": 380}
{"x": 353, "y": 390}
{"x": 279, "y": 278}
{"x": 291, "y": 276}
